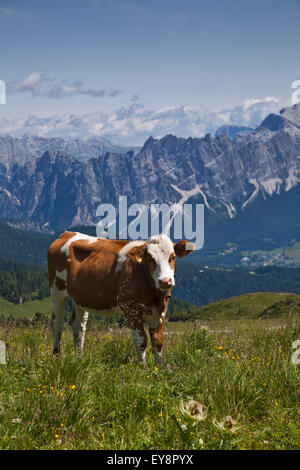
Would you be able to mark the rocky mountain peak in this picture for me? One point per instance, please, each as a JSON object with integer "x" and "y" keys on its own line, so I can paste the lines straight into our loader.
{"x": 149, "y": 142}
{"x": 274, "y": 122}
{"x": 292, "y": 114}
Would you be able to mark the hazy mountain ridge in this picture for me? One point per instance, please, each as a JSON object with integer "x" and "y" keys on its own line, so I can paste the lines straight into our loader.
{"x": 31, "y": 147}
{"x": 233, "y": 131}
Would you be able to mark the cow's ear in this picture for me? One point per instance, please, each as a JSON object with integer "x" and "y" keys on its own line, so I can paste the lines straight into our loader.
{"x": 183, "y": 248}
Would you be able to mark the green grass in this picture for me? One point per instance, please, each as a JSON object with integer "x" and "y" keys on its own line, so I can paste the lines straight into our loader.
{"x": 26, "y": 309}
{"x": 107, "y": 400}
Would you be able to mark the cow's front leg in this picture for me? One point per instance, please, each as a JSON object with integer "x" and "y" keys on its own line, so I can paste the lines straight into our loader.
{"x": 140, "y": 340}
{"x": 78, "y": 323}
{"x": 157, "y": 340}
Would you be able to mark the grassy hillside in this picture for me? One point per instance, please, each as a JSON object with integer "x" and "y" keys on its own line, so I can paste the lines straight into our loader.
{"x": 244, "y": 379}
{"x": 27, "y": 309}
{"x": 248, "y": 306}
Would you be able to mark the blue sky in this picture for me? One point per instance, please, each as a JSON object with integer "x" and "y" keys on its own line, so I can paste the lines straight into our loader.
{"x": 106, "y": 58}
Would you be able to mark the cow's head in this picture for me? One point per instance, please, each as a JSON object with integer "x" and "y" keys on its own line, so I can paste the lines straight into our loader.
{"x": 160, "y": 256}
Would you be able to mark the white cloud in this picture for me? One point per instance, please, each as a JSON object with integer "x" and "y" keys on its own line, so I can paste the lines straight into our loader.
{"x": 133, "y": 125}
{"x": 38, "y": 84}
{"x": 12, "y": 12}
{"x": 29, "y": 84}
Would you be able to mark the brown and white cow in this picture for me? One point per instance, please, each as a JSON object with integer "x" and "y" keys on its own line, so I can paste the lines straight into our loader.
{"x": 103, "y": 276}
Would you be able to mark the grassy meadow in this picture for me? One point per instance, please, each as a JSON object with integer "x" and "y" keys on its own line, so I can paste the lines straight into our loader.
{"x": 240, "y": 371}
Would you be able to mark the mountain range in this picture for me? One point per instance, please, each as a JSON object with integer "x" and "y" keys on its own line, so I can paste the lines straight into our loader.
{"x": 52, "y": 184}
{"x": 30, "y": 147}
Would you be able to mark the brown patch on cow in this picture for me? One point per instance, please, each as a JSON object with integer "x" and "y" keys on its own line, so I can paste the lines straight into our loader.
{"x": 157, "y": 336}
{"x": 60, "y": 283}
{"x": 172, "y": 260}
{"x": 81, "y": 252}
{"x": 140, "y": 255}
{"x": 92, "y": 277}
{"x": 151, "y": 262}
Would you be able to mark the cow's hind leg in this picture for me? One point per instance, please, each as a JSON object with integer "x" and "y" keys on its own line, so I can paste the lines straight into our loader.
{"x": 58, "y": 300}
{"x": 78, "y": 323}
{"x": 140, "y": 340}
{"x": 157, "y": 341}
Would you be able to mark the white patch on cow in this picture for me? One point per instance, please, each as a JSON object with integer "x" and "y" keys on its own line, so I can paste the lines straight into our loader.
{"x": 138, "y": 340}
{"x": 79, "y": 236}
{"x": 78, "y": 323}
{"x": 57, "y": 296}
{"x": 124, "y": 251}
{"x": 160, "y": 248}
{"x": 62, "y": 274}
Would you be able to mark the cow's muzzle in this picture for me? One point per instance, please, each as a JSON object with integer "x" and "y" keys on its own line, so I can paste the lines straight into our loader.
{"x": 165, "y": 283}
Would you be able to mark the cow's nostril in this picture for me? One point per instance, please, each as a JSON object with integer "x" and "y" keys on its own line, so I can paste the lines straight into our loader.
{"x": 165, "y": 281}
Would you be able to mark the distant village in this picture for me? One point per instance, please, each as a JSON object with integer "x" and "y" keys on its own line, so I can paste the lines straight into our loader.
{"x": 258, "y": 259}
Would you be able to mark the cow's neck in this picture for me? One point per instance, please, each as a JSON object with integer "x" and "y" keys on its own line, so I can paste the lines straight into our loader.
{"x": 138, "y": 284}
